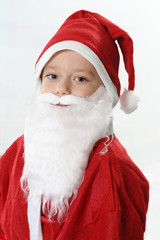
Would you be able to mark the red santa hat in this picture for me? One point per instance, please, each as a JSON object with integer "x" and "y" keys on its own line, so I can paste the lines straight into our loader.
{"x": 94, "y": 37}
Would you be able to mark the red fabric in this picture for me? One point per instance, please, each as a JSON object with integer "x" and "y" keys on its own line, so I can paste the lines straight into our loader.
{"x": 81, "y": 25}
{"x": 111, "y": 203}
{"x": 3, "y": 237}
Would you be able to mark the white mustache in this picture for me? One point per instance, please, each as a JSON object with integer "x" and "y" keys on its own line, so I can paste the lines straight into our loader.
{"x": 63, "y": 100}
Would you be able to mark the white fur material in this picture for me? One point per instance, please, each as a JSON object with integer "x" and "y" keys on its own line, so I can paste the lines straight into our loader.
{"x": 63, "y": 100}
{"x": 57, "y": 144}
{"x": 34, "y": 218}
{"x": 128, "y": 101}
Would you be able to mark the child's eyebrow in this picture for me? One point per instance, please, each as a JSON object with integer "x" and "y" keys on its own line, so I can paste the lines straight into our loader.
{"x": 81, "y": 70}
{"x": 84, "y": 71}
{"x": 51, "y": 67}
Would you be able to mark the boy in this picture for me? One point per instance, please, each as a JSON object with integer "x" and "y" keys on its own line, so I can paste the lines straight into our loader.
{"x": 68, "y": 177}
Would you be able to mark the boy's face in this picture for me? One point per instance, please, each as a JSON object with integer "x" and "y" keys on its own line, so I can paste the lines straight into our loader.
{"x": 67, "y": 72}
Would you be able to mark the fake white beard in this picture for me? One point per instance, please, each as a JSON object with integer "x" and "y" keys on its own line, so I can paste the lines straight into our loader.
{"x": 57, "y": 144}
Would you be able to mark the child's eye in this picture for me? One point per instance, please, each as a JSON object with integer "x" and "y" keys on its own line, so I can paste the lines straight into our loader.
{"x": 80, "y": 79}
{"x": 52, "y": 76}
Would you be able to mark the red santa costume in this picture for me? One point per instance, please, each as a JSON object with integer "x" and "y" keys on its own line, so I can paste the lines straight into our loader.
{"x": 68, "y": 177}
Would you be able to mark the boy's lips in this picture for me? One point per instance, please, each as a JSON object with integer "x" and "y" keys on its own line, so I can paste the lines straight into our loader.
{"x": 61, "y": 105}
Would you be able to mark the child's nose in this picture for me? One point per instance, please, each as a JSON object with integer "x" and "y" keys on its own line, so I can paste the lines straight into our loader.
{"x": 63, "y": 87}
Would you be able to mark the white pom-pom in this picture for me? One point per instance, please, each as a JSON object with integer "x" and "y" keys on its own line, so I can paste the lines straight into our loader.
{"x": 128, "y": 101}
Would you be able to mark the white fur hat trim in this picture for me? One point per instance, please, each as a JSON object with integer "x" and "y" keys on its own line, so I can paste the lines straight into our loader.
{"x": 128, "y": 101}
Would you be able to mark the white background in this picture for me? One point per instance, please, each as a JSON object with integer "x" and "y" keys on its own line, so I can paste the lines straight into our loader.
{"x": 25, "y": 28}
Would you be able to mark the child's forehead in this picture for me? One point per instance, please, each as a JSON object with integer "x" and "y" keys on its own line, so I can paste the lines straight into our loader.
{"x": 72, "y": 59}
{"x": 68, "y": 55}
